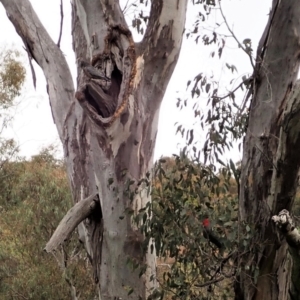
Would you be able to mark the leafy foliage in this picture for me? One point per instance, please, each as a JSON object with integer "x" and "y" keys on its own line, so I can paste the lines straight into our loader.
{"x": 12, "y": 77}
{"x": 184, "y": 193}
{"x": 35, "y": 195}
{"x": 224, "y": 117}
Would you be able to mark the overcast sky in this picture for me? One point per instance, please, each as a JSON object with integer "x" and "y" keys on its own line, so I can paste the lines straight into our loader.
{"x": 33, "y": 127}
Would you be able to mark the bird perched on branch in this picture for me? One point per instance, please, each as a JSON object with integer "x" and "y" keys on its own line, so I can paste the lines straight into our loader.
{"x": 91, "y": 71}
{"x": 208, "y": 234}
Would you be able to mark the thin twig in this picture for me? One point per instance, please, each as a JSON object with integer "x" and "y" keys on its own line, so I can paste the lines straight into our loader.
{"x": 125, "y": 7}
{"x": 231, "y": 92}
{"x": 246, "y": 99}
{"x": 264, "y": 155}
{"x": 31, "y": 66}
{"x": 18, "y": 294}
{"x": 210, "y": 282}
{"x": 219, "y": 269}
{"x": 234, "y": 36}
{"x": 61, "y": 22}
{"x": 165, "y": 288}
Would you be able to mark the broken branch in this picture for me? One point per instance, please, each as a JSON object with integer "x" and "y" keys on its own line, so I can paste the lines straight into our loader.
{"x": 70, "y": 221}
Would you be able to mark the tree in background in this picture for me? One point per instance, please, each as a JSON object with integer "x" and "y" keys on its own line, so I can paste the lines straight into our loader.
{"x": 34, "y": 196}
{"x": 12, "y": 78}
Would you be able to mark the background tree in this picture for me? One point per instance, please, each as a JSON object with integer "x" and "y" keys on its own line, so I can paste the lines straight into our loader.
{"x": 12, "y": 78}
{"x": 35, "y": 193}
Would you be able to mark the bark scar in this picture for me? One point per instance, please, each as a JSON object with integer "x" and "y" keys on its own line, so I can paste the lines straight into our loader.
{"x": 101, "y": 105}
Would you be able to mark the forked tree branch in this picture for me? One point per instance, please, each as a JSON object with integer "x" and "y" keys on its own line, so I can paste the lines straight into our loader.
{"x": 235, "y": 37}
{"x": 166, "y": 23}
{"x": 160, "y": 48}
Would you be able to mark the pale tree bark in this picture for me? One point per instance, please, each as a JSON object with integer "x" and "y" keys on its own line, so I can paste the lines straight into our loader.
{"x": 271, "y": 159}
{"x": 288, "y": 230}
{"x": 109, "y": 128}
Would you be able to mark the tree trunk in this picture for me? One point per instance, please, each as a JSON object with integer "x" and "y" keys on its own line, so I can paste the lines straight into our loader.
{"x": 109, "y": 128}
{"x": 271, "y": 161}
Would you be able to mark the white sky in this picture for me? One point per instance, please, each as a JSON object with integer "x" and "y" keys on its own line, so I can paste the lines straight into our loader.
{"x": 33, "y": 127}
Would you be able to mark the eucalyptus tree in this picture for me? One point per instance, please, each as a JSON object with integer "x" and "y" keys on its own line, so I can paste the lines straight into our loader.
{"x": 12, "y": 78}
{"x": 107, "y": 123}
{"x": 268, "y": 175}
{"x": 270, "y": 164}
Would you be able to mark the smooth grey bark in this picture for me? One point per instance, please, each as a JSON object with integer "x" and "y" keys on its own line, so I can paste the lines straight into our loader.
{"x": 271, "y": 161}
{"x": 108, "y": 129}
{"x": 79, "y": 212}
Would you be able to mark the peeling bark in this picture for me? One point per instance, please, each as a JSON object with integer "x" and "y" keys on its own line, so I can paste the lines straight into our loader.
{"x": 286, "y": 226}
{"x": 109, "y": 128}
{"x": 270, "y": 163}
